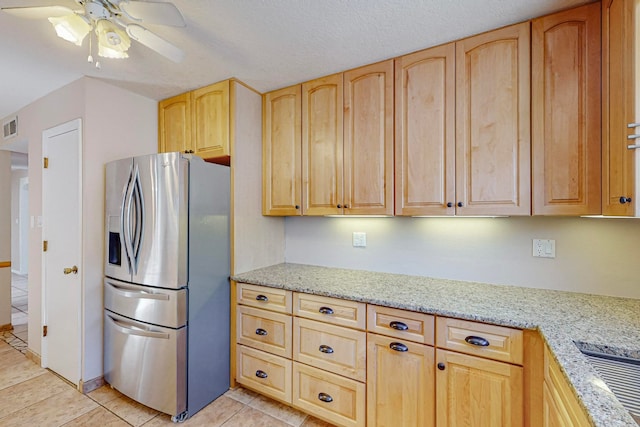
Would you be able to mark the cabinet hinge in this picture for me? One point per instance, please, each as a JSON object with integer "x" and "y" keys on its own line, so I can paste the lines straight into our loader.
{"x": 46, "y": 162}
{"x": 45, "y": 245}
{"x": 44, "y": 331}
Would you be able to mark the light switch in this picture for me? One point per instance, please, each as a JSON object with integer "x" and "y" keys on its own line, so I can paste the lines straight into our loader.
{"x": 359, "y": 239}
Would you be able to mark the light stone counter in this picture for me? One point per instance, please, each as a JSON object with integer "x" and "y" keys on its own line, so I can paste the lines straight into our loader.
{"x": 605, "y": 324}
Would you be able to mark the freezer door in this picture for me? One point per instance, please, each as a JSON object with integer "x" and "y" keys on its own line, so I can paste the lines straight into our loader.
{"x": 146, "y": 363}
{"x": 159, "y": 220}
{"x": 165, "y": 307}
{"x": 117, "y": 264}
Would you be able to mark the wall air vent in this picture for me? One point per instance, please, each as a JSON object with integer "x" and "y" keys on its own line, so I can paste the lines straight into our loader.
{"x": 10, "y": 128}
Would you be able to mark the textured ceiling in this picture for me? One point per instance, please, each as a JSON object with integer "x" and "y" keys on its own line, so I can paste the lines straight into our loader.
{"x": 267, "y": 44}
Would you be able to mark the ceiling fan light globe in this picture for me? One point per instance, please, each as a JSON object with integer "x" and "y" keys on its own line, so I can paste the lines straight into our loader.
{"x": 106, "y": 52}
{"x": 71, "y": 28}
{"x": 113, "y": 42}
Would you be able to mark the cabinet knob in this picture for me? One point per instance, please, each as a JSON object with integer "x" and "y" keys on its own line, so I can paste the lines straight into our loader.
{"x": 262, "y": 298}
{"x": 346, "y": 206}
{"x": 325, "y": 310}
{"x": 325, "y": 349}
{"x": 478, "y": 341}
{"x": 624, "y": 200}
{"x": 297, "y": 207}
{"x": 398, "y": 326}
{"x": 261, "y": 332}
{"x": 339, "y": 206}
{"x": 325, "y": 397}
{"x": 460, "y": 204}
{"x": 449, "y": 205}
{"x": 261, "y": 374}
{"x": 398, "y": 346}
{"x": 441, "y": 366}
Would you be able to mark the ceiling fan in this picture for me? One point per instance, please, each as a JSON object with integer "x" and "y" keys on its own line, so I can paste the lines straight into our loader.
{"x": 115, "y": 23}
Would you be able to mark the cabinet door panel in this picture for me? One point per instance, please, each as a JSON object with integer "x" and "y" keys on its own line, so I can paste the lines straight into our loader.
{"x": 493, "y": 123}
{"x": 618, "y": 107}
{"x": 174, "y": 123}
{"x": 368, "y": 140}
{"x": 281, "y": 152}
{"x": 566, "y": 112}
{"x": 211, "y": 120}
{"x": 322, "y": 148}
{"x": 400, "y": 384}
{"x": 478, "y": 392}
{"x": 425, "y": 132}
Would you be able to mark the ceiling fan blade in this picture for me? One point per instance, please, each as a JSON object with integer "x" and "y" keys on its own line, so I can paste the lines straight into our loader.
{"x": 38, "y": 12}
{"x": 155, "y": 42}
{"x": 153, "y": 12}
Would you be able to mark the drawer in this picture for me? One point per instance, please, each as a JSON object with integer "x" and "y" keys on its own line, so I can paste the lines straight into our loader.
{"x": 328, "y": 396}
{"x": 480, "y": 339}
{"x": 267, "y": 374}
{"x": 262, "y": 297}
{"x": 406, "y": 325}
{"x": 331, "y": 310}
{"x": 333, "y": 348}
{"x": 264, "y": 330}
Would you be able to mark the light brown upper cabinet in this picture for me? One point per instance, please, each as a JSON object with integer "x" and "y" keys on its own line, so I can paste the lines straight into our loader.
{"x": 425, "y": 132}
{"x": 368, "y": 140}
{"x": 566, "y": 112}
{"x": 174, "y": 123}
{"x": 493, "y": 123}
{"x": 281, "y": 158}
{"x": 618, "y": 107}
{"x": 322, "y": 148}
{"x": 197, "y": 122}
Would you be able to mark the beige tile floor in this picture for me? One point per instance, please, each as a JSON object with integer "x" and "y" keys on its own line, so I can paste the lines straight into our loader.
{"x": 33, "y": 396}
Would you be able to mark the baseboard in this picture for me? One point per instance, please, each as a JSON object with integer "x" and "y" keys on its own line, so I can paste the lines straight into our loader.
{"x": 7, "y": 327}
{"x": 34, "y": 357}
{"x": 89, "y": 386}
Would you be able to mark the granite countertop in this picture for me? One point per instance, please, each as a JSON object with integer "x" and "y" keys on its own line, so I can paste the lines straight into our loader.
{"x": 565, "y": 319}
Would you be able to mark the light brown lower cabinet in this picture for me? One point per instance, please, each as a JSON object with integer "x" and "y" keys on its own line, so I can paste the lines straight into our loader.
{"x": 400, "y": 383}
{"x": 472, "y": 391}
{"x": 269, "y": 374}
{"x": 328, "y": 396}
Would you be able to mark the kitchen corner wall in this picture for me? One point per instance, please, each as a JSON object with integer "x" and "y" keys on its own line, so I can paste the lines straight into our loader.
{"x": 593, "y": 255}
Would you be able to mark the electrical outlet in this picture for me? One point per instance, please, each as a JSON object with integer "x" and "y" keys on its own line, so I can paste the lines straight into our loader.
{"x": 359, "y": 239}
{"x": 544, "y": 248}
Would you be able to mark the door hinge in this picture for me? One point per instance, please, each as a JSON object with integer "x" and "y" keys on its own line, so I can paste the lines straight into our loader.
{"x": 46, "y": 162}
{"x": 45, "y": 245}
{"x": 44, "y": 331}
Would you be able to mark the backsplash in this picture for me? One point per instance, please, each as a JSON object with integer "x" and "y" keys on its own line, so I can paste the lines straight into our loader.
{"x": 593, "y": 255}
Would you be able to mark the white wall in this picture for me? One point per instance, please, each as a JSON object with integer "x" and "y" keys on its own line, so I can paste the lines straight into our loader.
{"x": 116, "y": 124}
{"x": 5, "y": 237}
{"x": 600, "y": 256}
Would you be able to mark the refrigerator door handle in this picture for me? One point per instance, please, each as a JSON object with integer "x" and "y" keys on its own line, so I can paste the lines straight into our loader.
{"x": 126, "y": 328}
{"x": 126, "y": 222}
{"x": 131, "y": 293}
{"x": 139, "y": 217}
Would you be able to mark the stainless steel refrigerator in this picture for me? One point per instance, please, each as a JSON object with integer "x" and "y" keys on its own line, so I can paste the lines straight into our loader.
{"x": 166, "y": 285}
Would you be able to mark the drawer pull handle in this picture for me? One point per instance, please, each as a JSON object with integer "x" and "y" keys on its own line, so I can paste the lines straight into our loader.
{"x": 261, "y": 374}
{"x": 262, "y": 298}
{"x": 326, "y": 310}
{"x": 261, "y": 331}
{"x": 325, "y": 349}
{"x": 398, "y": 326}
{"x": 479, "y": 341}
{"x": 397, "y": 346}
{"x": 325, "y": 397}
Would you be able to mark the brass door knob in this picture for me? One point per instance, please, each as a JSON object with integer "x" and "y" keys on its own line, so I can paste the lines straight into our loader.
{"x": 73, "y": 270}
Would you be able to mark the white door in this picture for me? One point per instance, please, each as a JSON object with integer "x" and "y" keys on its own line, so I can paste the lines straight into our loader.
{"x": 62, "y": 229}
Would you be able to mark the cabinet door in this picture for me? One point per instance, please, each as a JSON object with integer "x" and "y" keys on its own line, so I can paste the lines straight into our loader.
{"x": 174, "y": 124}
{"x": 493, "y": 123}
{"x": 322, "y": 149}
{"x": 425, "y": 132}
{"x": 281, "y": 158}
{"x": 400, "y": 383}
{"x": 368, "y": 140}
{"x": 211, "y": 120}
{"x": 477, "y": 392}
{"x": 618, "y": 107}
{"x": 566, "y": 112}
